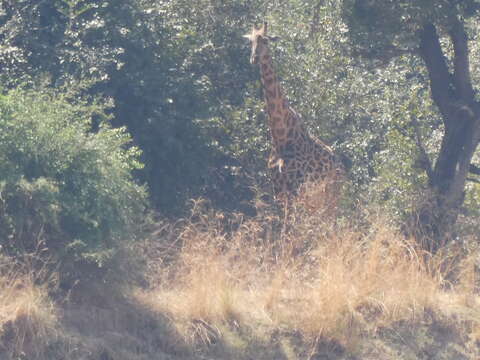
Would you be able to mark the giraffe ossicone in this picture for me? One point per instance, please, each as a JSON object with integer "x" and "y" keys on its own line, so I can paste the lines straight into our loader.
{"x": 296, "y": 159}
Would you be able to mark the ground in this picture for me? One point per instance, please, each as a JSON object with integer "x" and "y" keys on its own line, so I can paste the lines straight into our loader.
{"x": 219, "y": 287}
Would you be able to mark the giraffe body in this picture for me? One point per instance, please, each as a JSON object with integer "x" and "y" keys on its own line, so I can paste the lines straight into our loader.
{"x": 296, "y": 157}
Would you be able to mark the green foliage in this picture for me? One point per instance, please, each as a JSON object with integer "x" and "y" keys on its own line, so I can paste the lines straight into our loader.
{"x": 383, "y": 29}
{"x": 172, "y": 73}
{"x": 410, "y": 130}
{"x": 128, "y": 57}
{"x": 61, "y": 183}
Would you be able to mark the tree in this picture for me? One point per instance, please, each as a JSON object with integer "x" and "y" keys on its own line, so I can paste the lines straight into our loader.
{"x": 62, "y": 185}
{"x": 129, "y": 56}
{"x": 439, "y": 33}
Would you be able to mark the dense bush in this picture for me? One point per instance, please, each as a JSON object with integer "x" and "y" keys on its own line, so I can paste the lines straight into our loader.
{"x": 62, "y": 185}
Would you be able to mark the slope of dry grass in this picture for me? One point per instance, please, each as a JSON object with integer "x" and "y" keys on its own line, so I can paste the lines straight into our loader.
{"x": 101, "y": 324}
{"x": 325, "y": 286}
{"x": 232, "y": 288}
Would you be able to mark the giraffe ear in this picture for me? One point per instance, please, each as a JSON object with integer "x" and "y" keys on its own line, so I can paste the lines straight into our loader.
{"x": 248, "y": 36}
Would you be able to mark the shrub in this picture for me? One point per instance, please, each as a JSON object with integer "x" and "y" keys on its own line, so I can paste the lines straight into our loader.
{"x": 62, "y": 184}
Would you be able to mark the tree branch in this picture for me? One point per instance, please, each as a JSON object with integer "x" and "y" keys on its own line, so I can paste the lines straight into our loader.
{"x": 462, "y": 80}
{"x": 474, "y": 169}
{"x": 473, "y": 180}
{"x": 426, "y": 164}
{"x": 432, "y": 54}
{"x": 315, "y": 19}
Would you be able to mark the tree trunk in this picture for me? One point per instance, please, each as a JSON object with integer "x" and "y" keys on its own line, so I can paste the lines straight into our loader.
{"x": 453, "y": 93}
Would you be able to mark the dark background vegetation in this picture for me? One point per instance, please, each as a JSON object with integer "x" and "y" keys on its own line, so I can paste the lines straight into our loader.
{"x": 112, "y": 108}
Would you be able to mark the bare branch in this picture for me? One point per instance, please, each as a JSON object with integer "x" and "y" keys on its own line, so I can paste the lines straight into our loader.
{"x": 425, "y": 160}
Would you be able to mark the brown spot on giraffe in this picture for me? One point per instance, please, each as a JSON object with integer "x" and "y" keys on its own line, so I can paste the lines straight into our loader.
{"x": 296, "y": 157}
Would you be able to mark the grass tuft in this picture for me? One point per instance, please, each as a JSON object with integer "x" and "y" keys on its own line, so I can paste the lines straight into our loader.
{"x": 28, "y": 316}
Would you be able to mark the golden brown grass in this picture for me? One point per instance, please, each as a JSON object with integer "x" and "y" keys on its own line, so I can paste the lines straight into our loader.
{"x": 321, "y": 281}
{"x": 28, "y": 317}
{"x": 100, "y": 324}
{"x": 235, "y": 288}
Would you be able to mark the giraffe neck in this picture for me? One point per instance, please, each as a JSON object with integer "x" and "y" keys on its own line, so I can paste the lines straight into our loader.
{"x": 281, "y": 118}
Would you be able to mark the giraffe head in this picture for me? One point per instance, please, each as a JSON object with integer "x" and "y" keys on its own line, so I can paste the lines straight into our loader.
{"x": 259, "y": 40}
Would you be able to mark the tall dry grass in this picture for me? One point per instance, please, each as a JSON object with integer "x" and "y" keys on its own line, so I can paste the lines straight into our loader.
{"x": 28, "y": 316}
{"x": 279, "y": 285}
{"x": 320, "y": 279}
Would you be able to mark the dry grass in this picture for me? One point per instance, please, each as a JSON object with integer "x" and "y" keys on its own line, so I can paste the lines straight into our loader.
{"x": 226, "y": 287}
{"x": 28, "y": 317}
{"x": 99, "y": 325}
{"x": 323, "y": 282}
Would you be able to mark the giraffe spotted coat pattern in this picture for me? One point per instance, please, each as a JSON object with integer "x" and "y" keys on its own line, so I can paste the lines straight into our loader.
{"x": 296, "y": 157}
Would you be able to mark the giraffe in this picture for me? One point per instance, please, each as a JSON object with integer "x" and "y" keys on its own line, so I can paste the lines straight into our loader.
{"x": 296, "y": 158}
